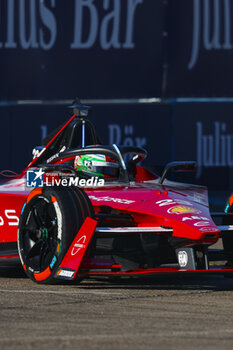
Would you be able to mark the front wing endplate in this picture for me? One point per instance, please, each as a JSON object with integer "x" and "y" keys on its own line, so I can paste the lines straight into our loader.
{"x": 71, "y": 262}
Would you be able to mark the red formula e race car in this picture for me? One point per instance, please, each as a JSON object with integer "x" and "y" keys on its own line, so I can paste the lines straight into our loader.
{"x": 81, "y": 209}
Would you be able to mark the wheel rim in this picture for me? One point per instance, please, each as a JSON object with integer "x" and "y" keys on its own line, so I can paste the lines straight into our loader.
{"x": 39, "y": 234}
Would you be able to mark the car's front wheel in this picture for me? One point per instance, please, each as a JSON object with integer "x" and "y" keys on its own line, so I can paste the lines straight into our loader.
{"x": 50, "y": 219}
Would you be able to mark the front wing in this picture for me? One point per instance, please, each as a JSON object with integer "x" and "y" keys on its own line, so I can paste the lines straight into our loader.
{"x": 76, "y": 264}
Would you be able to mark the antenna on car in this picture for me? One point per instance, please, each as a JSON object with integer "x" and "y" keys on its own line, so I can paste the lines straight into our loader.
{"x": 82, "y": 112}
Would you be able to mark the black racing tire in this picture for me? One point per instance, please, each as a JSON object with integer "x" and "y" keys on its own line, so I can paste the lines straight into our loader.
{"x": 84, "y": 201}
{"x": 49, "y": 222}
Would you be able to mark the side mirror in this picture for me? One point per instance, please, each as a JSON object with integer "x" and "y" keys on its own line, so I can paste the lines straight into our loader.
{"x": 178, "y": 166}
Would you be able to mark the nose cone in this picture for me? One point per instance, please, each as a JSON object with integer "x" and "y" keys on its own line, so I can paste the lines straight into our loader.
{"x": 188, "y": 218}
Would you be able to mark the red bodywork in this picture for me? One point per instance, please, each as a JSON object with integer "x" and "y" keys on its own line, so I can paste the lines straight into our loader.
{"x": 151, "y": 204}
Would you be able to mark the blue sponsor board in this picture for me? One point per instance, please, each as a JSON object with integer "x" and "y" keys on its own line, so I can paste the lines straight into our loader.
{"x": 103, "y": 49}
{"x": 23, "y": 128}
{"x": 147, "y": 126}
{"x": 97, "y": 48}
{"x": 200, "y": 48}
{"x": 204, "y": 132}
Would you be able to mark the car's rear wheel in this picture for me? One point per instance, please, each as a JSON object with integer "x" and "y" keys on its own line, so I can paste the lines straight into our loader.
{"x": 50, "y": 219}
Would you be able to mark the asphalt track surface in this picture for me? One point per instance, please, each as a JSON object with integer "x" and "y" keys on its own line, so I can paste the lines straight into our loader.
{"x": 179, "y": 313}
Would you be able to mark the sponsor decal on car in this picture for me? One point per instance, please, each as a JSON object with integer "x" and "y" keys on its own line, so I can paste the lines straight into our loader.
{"x": 165, "y": 202}
{"x": 9, "y": 218}
{"x": 79, "y": 245}
{"x": 52, "y": 158}
{"x": 199, "y": 218}
{"x": 111, "y": 199}
{"x": 182, "y": 209}
{"x": 209, "y": 229}
{"x": 183, "y": 258}
{"x": 59, "y": 220}
{"x": 65, "y": 273}
{"x": 37, "y": 152}
{"x": 202, "y": 223}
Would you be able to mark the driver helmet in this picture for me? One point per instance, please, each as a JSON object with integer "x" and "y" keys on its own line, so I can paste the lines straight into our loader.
{"x": 96, "y": 165}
